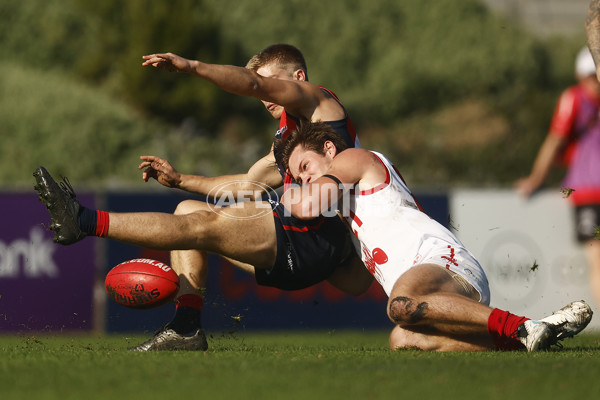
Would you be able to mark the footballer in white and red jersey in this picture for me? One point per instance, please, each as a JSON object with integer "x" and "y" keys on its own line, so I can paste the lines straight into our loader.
{"x": 395, "y": 234}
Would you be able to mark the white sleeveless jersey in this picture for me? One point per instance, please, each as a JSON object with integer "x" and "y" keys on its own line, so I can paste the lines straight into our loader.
{"x": 395, "y": 234}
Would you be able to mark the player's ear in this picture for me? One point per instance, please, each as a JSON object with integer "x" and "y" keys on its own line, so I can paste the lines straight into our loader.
{"x": 329, "y": 149}
{"x": 299, "y": 75}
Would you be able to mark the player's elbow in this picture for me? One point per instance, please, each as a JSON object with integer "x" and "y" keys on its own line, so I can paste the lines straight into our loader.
{"x": 254, "y": 86}
{"x": 250, "y": 190}
{"x": 305, "y": 210}
{"x": 300, "y": 204}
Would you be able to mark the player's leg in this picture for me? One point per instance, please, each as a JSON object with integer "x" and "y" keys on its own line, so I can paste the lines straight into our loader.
{"x": 184, "y": 331}
{"x": 244, "y": 231}
{"x": 428, "y": 299}
{"x": 192, "y": 268}
{"x": 428, "y": 339}
{"x": 241, "y": 232}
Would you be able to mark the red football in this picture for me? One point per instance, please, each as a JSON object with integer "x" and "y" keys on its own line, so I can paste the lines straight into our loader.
{"x": 142, "y": 283}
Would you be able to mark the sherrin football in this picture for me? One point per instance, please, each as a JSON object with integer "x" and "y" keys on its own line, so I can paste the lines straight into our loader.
{"x": 142, "y": 283}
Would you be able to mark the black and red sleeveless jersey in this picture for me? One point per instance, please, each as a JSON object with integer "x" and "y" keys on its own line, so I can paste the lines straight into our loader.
{"x": 288, "y": 123}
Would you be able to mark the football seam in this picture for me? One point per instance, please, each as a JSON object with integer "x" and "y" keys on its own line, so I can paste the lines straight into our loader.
{"x": 144, "y": 273}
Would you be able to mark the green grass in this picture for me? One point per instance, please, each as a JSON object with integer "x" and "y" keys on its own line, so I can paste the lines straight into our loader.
{"x": 300, "y": 365}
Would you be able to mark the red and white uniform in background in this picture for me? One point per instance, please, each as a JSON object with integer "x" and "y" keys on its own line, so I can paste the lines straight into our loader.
{"x": 395, "y": 235}
{"x": 576, "y": 120}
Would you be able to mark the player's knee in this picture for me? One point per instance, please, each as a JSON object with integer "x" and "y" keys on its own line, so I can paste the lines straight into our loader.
{"x": 406, "y": 310}
{"x": 186, "y": 207}
{"x": 399, "y": 339}
{"x": 199, "y": 226}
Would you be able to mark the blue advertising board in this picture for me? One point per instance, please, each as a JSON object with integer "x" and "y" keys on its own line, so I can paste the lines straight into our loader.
{"x": 43, "y": 286}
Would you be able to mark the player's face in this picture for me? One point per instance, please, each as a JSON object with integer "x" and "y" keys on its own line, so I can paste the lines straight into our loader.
{"x": 307, "y": 166}
{"x": 271, "y": 71}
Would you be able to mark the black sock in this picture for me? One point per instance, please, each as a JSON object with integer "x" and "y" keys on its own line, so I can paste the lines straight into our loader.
{"x": 88, "y": 220}
{"x": 186, "y": 320}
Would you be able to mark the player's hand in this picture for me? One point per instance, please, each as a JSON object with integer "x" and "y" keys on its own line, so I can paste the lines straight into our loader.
{"x": 161, "y": 170}
{"x": 168, "y": 61}
{"x": 525, "y": 187}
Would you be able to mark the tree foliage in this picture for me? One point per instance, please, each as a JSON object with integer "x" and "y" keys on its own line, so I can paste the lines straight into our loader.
{"x": 400, "y": 67}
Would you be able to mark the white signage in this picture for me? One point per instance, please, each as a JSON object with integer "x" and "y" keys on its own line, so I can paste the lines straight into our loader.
{"x": 526, "y": 247}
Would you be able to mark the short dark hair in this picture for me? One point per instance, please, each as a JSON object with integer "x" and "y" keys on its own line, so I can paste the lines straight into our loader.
{"x": 284, "y": 56}
{"x": 310, "y": 135}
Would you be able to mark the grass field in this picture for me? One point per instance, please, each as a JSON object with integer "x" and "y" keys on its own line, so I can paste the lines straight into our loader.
{"x": 295, "y": 365}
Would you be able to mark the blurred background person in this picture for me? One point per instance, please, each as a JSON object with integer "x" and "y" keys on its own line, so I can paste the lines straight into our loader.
{"x": 573, "y": 141}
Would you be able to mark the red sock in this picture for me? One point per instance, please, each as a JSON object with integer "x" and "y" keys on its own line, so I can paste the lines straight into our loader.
{"x": 101, "y": 223}
{"x": 190, "y": 300}
{"x": 503, "y": 325}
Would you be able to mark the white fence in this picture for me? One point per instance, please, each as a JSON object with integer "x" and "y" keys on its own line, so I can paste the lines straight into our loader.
{"x": 527, "y": 248}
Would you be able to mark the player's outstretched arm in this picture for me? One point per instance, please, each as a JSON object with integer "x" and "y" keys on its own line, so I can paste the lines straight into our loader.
{"x": 263, "y": 173}
{"x": 169, "y": 62}
{"x": 236, "y": 80}
{"x": 592, "y": 28}
{"x": 298, "y": 96}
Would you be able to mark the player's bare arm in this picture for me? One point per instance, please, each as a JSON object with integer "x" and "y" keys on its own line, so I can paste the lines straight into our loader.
{"x": 592, "y": 27}
{"x": 353, "y": 168}
{"x": 233, "y": 79}
{"x": 269, "y": 84}
{"x": 263, "y": 172}
{"x": 541, "y": 166}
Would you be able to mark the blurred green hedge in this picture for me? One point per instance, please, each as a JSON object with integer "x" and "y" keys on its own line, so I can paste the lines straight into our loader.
{"x": 412, "y": 74}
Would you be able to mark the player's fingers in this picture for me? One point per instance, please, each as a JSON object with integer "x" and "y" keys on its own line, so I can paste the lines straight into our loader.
{"x": 160, "y": 163}
{"x": 160, "y": 57}
{"x": 149, "y": 173}
{"x": 147, "y": 160}
{"x": 156, "y": 61}
{"x": 150, "y": 60}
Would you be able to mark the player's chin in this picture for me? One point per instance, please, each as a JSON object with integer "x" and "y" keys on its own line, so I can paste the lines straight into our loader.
{"x": 276, "y": 113}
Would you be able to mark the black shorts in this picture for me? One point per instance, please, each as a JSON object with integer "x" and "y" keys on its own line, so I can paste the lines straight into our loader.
{"x": 587, "y": 221}
{"x": 307, "y": 251}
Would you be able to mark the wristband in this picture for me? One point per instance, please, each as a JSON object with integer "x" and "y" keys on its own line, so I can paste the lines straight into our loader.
{"x": 335, "y": 179}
